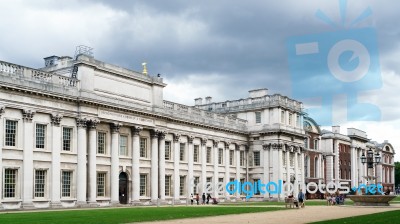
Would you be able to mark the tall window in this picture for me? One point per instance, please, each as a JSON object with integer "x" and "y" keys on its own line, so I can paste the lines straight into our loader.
{"x": 195, "y": 183}
{"x": 167, "y": 185}
{"x": 123, "y": 145}
{"x": 242, "y": 158}
{"x": 209, "y": 179}
{"x": 231, "y": 157}
{"x": 306, "y": 143}
{"x": 182, "y": 180}
{"x": 11, "y": 132}
{"x": 196, "y": 153}
{"x": 291, "y": 158}
{"x": 10, "y": 183}
{"x": 258, "y": 117}
{"x": 40, "y": 135}
{"x": 284, "y": 158}
{"x": 143, "y": 147}
{"x": 67, "y": 132}
{"x": 231, "y": 186}
{"x": 306, "y": 173}
{"x": 256, "y": 158}
{"x": 40, "y": 182}
{"x": 143, "y": 185}
{"x": 282, "y": 116}
{"x": 298, "y": 121}
{"x": 66, "y": 183}
{"x": 167, "y": 150}
{"x": 290, "y": 118}
{"x": 316, "y": 144}
{"x": 208, "y": 154}
{"x": 258, "y": 191}
{"x": 101, "y": 143}
{"x": 101, "y": 184}
{"x": 220, "y": 156}
{"x": 316, "y": 167}
{"x": 182, "y": 152}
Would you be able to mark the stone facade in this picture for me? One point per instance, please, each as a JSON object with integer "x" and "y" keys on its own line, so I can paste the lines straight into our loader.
{"x": 80, "y": 132}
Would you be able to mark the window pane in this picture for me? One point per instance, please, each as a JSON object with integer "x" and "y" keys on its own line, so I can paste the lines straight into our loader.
{"x": 123, "y": 145}
{"x": 220, "y": 156}
{"x": 182, "y": 180}
{"x": 208, "y": 154}
{"x": 101, "y": 143}
{"x": 10, "y": 182}
{"x": 67, "y": 139}
{"x": 11, "y": 133}
{"x": 167, "y": 185}
{"x": 143, "y": 185}
{"x": 196, "y": 153}
{"x": 66, "y": 184}
{"x": 40, "y": 135}
{"x": 167, "y": 150}
{"x": 143, "y": 147}
{"x": 256, "y": 158}
{"x": 231, "y": 157}
{"x": 101, "y": 183}
{"x": 40, "y": 181}
{"x": 182, "y": 152}
{"x": 258, "y": 117}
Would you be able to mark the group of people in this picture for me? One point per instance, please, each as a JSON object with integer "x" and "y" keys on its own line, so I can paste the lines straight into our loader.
{"x": 300, "y": 199}
{"x": 204, "y": 199}
{"x": 334, "y": 199}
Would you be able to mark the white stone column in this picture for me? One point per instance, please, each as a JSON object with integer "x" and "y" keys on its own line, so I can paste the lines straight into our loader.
{"x": 287, "y": 163}
{"x": 361, "y": 168}
{"x": 154, "y": 165}
{"x": 115, "y": 163}
{"x": 203, "y": 164}
{"x": 176, "y": 177}
{"x": 237, "y": 155}
{"x": 161, "y": 163}
{"x": 319, "y": 166}
{"x": 302, "y": 172}
{"x": 329, "y": 168}
{"x": 190, "y": 166}
{"x": 227, "y": 168}
{"x": 266, "y": 168}
{"x": 135, "y": 164}
{"x": 296, "y": 173}
{"x": 353, "y": 167}
{"x": 55, "y": 160}
{"x": 92, "y": 190}
{"x": 275, "y": 166}
{"x": 28, "y": 178}
{"x": 280, "y": 168}
{"x": 2, "y": 110}
{"x": 215, "y": 178}
{"x": 337, "y": 173}
{"x": 81, "y": 163}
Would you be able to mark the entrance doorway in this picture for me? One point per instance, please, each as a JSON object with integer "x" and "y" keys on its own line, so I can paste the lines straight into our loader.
{"x": 123, "y": 188}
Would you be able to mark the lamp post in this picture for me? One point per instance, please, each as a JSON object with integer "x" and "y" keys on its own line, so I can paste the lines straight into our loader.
{"x": 370, "y": 160}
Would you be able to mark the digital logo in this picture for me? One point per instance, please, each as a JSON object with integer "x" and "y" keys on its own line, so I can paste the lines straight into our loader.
{"x": 343, "y": 62}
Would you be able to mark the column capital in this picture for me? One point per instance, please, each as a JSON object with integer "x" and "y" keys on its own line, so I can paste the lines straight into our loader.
{"x": 161, "y": 135}
{"x": 81, "y": 122}
{"x": 56, "y": 119}
{"x": 267, "y": 146}
{"x": 92, "y": 123}
{"x": 115, "y": 127}
{"x": 136, "y": 130}
{"x": 215, "y": 143}
{"x": 177, "y": 136}
{"x": 204, "y": 141}
{"x": 227, "y": 144}
{"x": 277, "y": 146}
{"x": 190, "y": 139}
{"x": 154, "y": 133}
{"x": 27, "y": 115}
{"x": 2, "y": 110}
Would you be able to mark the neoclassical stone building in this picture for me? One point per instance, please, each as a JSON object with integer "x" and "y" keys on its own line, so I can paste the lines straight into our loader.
{"x": 81, "y": 132}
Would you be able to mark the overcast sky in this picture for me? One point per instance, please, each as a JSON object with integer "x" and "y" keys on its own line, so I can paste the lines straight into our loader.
{"x": 205, "y": 48}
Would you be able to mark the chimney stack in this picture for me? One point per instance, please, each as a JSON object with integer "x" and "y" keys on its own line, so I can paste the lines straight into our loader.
{"x": 336, "y": 129}
{"x": 198, "y": 101}
{"x": 208, "y": 99}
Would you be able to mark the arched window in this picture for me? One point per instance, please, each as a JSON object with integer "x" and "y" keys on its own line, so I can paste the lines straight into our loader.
{"x": 316, "y": 166}
{"x": 306, "y": 173}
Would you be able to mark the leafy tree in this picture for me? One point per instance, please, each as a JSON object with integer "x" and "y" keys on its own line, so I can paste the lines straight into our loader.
{"x": 397, "y": 173}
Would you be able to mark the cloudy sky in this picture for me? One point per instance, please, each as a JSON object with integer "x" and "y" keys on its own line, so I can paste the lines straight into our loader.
{"x": 205, "y": 48}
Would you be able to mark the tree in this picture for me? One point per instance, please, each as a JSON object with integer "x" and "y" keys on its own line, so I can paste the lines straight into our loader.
{"x": 397, "y": 173}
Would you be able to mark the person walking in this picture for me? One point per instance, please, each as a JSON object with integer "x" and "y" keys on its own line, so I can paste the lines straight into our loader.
{"x": 203, "y": 199}
{"x": 191, "y": 199}
{"x": 300, "y": 198}
{"x": 197, "y": 199}
{"x": 208, "y": 198}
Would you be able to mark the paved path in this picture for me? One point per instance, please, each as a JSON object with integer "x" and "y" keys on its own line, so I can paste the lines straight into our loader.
{"x": 287, "y": 216}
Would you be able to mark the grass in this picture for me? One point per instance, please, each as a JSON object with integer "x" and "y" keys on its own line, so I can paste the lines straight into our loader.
{"x": 383, "y": 217}
{"x": 125, "y": 215}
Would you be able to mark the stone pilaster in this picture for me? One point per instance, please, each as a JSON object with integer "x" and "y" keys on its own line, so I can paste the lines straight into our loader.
{"x": 56, "y": 136}
{"x": 216, "y": 168}
{"x": 92, "y": 161}
{"x": 287, "y": 154}
{"x": 203, "y": 156}
{"x": 190, "y": 166}
{"x": 176, "y": 167}
{"x": 161, "y": 163}
{"x": 27, "y": 186}
{"x": 2, "y": 111}
{"x": 81, "y": 180}
{"x": 227, "y": 167}
{"x": 296, "y": 172}
{"x": 154, "y": 165}
{"x": 115, "y": 162}
{"x": 266, "y": 148}
{"x": 135, "y": 164}
{"x": 237, "y": 161}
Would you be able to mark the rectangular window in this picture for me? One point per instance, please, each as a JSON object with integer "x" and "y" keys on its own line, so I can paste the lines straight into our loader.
{"x": 101, "y": 184}
{"x": 196, "y": 153}
{"x": 316, "y": 144}
{"x": 143, "y": 185}
{"x": 231, "y": 157}
{"x": 11, "y": 133}
{"x": 256, "y": 158}
{"x": 231, "y": 186}
{"x": 40, "y": 135}
{"x": 221, "y": 180}
{"x": 10, "y": 183}
{"x": 143, "y": 147}
{"x": 220, "y": 156}
{"x": 182, "y": 152}
{"x": 182, "y": 180}
{"x": 40, "y": 182}
{"x": 66, "y": 177}
{"x": 167, "y": 150}
{"x": 195, "y": 183}
{"x": 209, "y": 180}
{"x": 298, "y": 120}
{"x": 290, "y": 118}
{"x": 258, "y": 191}
{"x": 283, "y": 117}
{"x": 101, "y": 143}
{"x": 242, "y": 158}
{"x": 208, "y": 154}
{"x": 258, "y": 117}
{"x": 123, "y": 145}
{"x": 67, "y": 132}
{"x": 167, "y": 185}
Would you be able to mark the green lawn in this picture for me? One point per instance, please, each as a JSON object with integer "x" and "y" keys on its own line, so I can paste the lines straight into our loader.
{"x": 124, "y": 215}
{"x": 384, "y": 217}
